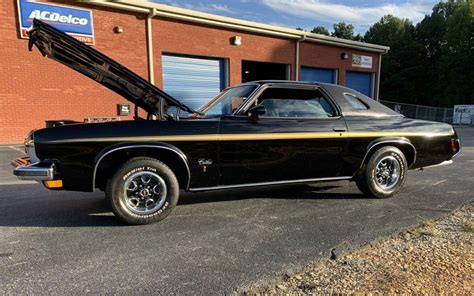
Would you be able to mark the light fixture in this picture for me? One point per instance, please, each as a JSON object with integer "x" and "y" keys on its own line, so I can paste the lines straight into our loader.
{"x": 344, "y": 56}
{"x": 118, "y": 29}
{"x": 236, "y": 40}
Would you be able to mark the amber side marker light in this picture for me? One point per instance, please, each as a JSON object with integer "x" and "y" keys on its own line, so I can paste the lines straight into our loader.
{"x": 53, "y": 184}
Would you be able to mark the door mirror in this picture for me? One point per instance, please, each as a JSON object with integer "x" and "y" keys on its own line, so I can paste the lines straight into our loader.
{"x": 256, "y": 111}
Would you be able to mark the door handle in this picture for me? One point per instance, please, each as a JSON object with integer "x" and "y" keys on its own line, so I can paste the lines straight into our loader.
{"x": 339, "y": 130}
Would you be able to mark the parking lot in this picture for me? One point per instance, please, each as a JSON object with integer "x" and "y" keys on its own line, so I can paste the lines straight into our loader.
{"x": 214, "y": 243}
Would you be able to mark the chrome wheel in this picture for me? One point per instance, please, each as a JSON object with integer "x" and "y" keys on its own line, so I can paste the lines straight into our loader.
{"x": 387, "y": 172}
{"x": 144, "y": 193}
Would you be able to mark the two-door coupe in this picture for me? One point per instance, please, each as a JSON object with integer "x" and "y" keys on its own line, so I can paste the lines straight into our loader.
{"x": 254, "y": 134}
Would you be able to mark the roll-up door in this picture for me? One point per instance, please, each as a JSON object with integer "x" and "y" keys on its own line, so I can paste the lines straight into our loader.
{"x": 318, "y": 74}
{"x": 360, "y": 81}
{"x": 192, "y": 80}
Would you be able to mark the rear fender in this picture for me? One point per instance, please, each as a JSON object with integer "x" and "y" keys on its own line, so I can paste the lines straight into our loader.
{"x": 403, "y": 144}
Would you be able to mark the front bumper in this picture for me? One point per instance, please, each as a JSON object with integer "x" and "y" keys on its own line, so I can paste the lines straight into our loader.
{"x": 40, "y": 171}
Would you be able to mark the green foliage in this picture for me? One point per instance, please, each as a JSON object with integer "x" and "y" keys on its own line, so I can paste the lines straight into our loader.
{"x": 431, "y": 63}
{"x": 343, "y": 30}
{"x": 320, "y": 30}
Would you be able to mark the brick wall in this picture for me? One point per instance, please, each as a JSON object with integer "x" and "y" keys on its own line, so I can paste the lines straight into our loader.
{"x": 325, "y": 56}
{"x": 185, "y": 38}
{"x": 34, "y": 89}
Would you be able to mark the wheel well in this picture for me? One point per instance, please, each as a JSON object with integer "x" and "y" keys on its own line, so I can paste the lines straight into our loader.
{"x": 111, "y": 162}
{"x": 407, "y": 149}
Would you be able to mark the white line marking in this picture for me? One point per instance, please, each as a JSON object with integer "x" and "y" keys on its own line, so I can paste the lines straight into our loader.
{"x": 17, "y": 149}
{"x": 16, "y": 264}
{"x": 440, "y": 182}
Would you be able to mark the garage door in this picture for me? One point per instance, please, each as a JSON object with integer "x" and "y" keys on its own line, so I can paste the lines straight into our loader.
{"x": 318, "y": 74}
{"x": 360, "y": 81}
{"x": 192, "y": 80}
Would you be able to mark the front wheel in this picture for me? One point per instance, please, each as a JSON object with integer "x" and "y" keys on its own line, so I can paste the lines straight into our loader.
{"x": 143, "y": 191}
{"x": 384, "y": 174}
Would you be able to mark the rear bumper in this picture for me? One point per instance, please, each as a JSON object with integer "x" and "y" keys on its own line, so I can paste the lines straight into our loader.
{"x": 41, "y": 171}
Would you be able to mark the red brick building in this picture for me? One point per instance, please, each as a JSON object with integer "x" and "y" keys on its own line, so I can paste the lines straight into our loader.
{"x": 190, "y": 54}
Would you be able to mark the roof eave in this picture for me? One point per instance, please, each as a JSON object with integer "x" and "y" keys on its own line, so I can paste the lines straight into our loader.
{"x": 183, "y": 14}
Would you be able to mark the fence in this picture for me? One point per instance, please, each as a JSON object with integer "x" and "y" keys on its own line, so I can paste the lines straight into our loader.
{"x": 421, "y": 112}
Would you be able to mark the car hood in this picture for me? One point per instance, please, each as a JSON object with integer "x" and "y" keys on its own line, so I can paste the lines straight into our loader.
{"x": 97, "y": 66}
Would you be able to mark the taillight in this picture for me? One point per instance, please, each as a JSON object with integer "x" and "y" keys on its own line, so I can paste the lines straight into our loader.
{"x": 454, "y": 145}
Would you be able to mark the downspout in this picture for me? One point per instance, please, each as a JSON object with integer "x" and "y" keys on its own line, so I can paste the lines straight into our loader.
{"x": 297, "y": 58}
{"x": 377, "y": 95}
{"x": 149, "y": 46}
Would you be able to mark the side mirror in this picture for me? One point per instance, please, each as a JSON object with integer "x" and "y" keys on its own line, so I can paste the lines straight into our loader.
{"x": 256, "y": 111}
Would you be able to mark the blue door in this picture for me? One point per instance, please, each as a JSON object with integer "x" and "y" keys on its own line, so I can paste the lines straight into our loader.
{"x": 360, "y": 81}
{"x": 191, "y": 80}
{"x": 318, "y": 74}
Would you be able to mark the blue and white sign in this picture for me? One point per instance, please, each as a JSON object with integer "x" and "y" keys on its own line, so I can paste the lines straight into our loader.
{"x": 75, "y": 22}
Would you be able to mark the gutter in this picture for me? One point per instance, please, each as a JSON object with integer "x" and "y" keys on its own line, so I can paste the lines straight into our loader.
{"x": 297, "y": 58}
{"x": 149, "y": 46}
{"x": 377, "y": 94}
{"x": 188, "y": 15}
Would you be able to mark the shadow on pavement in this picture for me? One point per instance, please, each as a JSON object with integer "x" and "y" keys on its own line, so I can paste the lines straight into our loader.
{"x": 292, "y": 192}
{"x": 33, "y": 206}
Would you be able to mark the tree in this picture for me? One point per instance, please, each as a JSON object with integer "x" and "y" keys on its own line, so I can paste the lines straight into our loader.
{"x": 343, "y": 30}
{"x": 300, "y": 29}
{"x": 320, "y": 30}
{"x": 401, "y": 71}
{"x": 430, "y": 63}
{"x": 457, "y": 53}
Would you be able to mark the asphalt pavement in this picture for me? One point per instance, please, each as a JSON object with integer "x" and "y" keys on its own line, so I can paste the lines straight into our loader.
{"x": 213, "y": 243}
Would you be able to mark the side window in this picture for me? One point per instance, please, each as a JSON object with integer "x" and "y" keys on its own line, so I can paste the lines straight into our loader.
{"x": 295, "y": 103}
{"x": 355, "y": 102}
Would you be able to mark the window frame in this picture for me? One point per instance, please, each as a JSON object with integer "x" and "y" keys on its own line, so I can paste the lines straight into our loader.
{"x": 345, "y": 94}
{"x": 254, "y": 99}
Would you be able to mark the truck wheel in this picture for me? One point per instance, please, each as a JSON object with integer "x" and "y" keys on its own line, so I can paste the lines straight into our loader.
{"x": 142, "y": 191}
{"x": 384, "y": 174}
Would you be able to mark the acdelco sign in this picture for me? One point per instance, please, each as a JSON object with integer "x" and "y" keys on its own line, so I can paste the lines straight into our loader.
{"x": 73, "y": 21}
{"x": 57, "y": 18}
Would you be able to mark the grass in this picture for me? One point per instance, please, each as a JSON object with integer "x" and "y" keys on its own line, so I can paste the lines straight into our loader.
{"x": 428, "y": 223}
{"x": 469, "y": 226}
{"x": 423, "y": 229}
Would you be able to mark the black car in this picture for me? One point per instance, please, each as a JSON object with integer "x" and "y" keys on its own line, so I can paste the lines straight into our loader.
{"x": 254, "y": 134}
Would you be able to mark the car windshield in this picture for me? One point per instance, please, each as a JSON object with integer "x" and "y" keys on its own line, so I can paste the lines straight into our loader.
{"x": 227, "y": 101}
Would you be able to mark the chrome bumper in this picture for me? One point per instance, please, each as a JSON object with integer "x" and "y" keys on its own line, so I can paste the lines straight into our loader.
{"x": 41, "y": 171}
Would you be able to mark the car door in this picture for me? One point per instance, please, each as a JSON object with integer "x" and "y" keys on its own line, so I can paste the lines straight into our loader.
{"x": 301, "y": 136}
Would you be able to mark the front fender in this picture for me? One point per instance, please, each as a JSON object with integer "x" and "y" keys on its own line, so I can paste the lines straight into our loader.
{"x": 137, "y": 145}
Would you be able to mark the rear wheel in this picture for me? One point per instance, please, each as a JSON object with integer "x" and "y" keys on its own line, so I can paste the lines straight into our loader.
{"x": 384, "y": 174}
{"x": 142, "y": 191}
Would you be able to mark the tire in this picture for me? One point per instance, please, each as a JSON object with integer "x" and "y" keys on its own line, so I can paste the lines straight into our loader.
{"x": 142, "y": 191}
{"x": 384, "y": 174}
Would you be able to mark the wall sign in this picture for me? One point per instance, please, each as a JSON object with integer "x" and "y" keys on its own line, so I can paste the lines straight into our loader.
{"x": 73, "y": 21}
{"x": 123, "y": 109}
{"x": 463, "y": 114}
{"x": 361, "y": 61}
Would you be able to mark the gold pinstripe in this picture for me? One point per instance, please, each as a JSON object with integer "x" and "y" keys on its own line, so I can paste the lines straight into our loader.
{"x": 261, "y": 136}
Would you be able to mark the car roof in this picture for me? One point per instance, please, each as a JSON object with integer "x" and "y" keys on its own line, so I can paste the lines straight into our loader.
{"x": 338, "y": 93}
{"x": 262, "y": 82}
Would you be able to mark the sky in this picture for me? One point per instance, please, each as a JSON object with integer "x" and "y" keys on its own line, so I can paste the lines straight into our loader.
{"x": 310, "y": 13}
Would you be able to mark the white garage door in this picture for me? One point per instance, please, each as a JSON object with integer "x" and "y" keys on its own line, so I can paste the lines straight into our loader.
{"x": 192, "y": 80}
